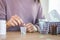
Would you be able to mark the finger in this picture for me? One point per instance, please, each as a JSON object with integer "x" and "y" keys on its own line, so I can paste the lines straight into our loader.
{"x": 17, "y": 20}
{"x": 29, "y": 27}
{"x": 22, "y": 22}
{"x": 11, "y": 23}
{"x": 14, "y": 22}
{"x": 30, "y": 30}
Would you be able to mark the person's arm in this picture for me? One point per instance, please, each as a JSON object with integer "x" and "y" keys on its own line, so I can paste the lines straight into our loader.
{"x": 35, "y": 26}
{"x": 39, "y": 16}
{"x": 13, "y": 21}
{"x": 2, "y": 9}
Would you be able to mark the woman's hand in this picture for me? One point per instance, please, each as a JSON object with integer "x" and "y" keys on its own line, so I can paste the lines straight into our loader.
{"x": 14, "y": 21}
{"x": 30, "y": 27}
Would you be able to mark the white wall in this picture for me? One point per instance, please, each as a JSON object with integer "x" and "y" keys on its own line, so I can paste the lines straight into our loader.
{"x": 44, "y": 4}
{"x": 54, "y": 4}
{"x": 49, "y": 5}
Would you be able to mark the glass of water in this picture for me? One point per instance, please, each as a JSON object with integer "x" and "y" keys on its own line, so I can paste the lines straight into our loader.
{"x": 23, "y": 30}
{"x": 44, "y": 26}
{"x": 2, "y": 27}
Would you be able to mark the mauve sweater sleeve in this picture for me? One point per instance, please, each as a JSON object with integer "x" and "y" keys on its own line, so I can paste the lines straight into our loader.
{"x": 39, "y": 16}
{"x": 2, "y": 9}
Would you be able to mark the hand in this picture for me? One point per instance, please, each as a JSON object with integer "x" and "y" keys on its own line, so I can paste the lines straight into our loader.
{"x": 30, "y": 27}
{"x": 14, "y": 21}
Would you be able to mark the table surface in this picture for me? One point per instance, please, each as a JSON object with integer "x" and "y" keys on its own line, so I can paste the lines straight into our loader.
{"x": 29, "y": 36}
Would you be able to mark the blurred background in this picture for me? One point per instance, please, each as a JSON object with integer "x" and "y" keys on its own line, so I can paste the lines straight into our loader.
{"x": 49, "y": 5}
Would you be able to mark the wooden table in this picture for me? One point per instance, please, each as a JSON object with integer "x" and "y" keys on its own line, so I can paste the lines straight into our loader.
{"x": 29, "y": 36}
